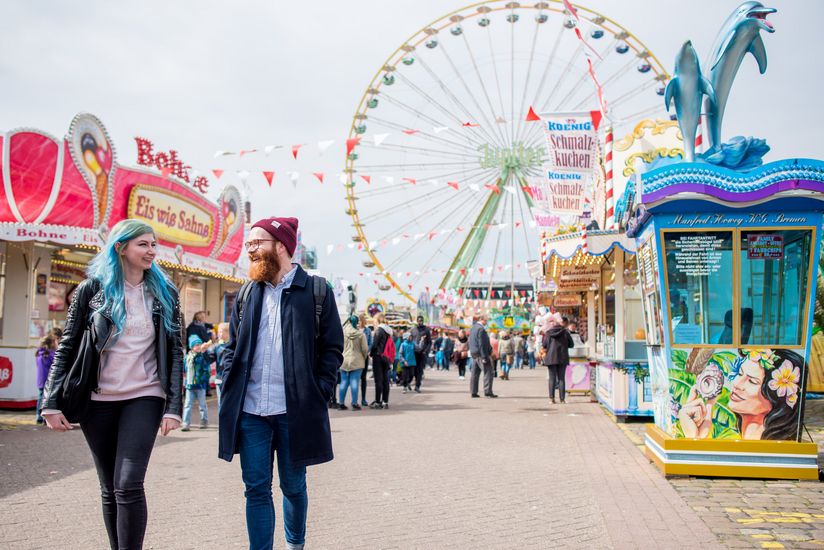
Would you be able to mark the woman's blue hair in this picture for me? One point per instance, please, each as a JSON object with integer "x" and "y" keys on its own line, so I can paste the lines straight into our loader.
{"x": 107, "y": 267}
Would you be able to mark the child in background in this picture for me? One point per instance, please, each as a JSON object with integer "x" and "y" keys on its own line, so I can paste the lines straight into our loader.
{"x": 195, "y": 379}
{"x": 43, "y": 357}
{"x": 407, "y": 357}
{"x": 216, "y": 352}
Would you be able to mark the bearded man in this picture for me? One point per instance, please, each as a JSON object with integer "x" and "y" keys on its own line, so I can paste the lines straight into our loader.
{"x": 280, "y": 367}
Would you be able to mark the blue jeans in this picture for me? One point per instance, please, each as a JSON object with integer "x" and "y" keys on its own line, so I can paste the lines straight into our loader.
{"x": 258, "y": 439}
{"x": 191, "y": 395}
{"x": 350, "y": 379}
{"x": 519, "y": 360}
{"x": 531, "y": 356}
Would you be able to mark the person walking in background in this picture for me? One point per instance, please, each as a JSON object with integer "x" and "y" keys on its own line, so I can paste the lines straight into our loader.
{"x": 43, "y": 357}
{"x": 367, "y": 331}
{"x": 422, "y": 336}
{"x": 279, "y": 373}
{"x": 436, "y": 347}
{"x": 481, "y": 351}
{"x": 531, "y": 348}
{"x": 355, "y": 352}
{"x": 199, "y": 327}
{"x": 520, "y": 350}
{"x": 495, "y": 343}
{"x": 395, "y": 367}
{"x": 196, "y": 378}
{"x": 448, "y": 349}
{"x": 406, "y": 353}
{"x": 134, "y": 308}
{"x": 507, "y": 352}
{"x": 462, "y": 353}
{"x": 381, "y": 342}
{"x": 556, "y": 343}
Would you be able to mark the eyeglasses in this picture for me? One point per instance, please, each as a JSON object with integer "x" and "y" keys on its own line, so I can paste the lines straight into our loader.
{"x": 255, "y": 244}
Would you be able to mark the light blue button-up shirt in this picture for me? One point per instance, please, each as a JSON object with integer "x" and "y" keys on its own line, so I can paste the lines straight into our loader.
{"x": 266, "y": 392}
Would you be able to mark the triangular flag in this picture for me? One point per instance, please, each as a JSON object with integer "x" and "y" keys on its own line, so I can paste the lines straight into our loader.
{"x": 294, "y": 177}
{"x": 269, "y": 177}
{"x": 410, "y": 180}
{"x": 329, "y": 248}
{"x": 243, "y": 175}
{"x": 247, "y": 151}
{"x": 410, "y": 132}
{"x": 528, "y": 191}
{"x": 510, "y": 189}
{"x": 474, "y": 187}
{"x": 453, "y": 184}
{"x": 269, "y": 148}
{"x": 217, "y": 173}
{"x": 470, "y": 125}
{"x": 439, "y": 129}
{"x": 432, "y": 234}
{"x": 493, "y": 188}
{"x": 531, "y": 116}
{"x": 295, "y": 149}
{"x": 596, "y": 118}
{"x": 517, "y": 225}
{"x": 367, "y": 179}
{"x": 379, "y": 138}
{"x": 351, "y": 143}
{"x": 481, "y": 270}
{"x": 318, "y": 175}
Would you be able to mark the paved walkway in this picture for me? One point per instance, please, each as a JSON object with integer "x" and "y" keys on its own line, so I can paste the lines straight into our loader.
{"x": 437, "y": 470}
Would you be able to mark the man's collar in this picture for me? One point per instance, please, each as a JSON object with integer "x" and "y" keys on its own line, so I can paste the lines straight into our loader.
{"x": 289, "y": 278}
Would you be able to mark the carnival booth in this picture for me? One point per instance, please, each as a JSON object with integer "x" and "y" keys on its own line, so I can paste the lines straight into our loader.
{"x": 596, "y": 284}
{"x": 61, "y": 196}
{"x": 728, "y": 251}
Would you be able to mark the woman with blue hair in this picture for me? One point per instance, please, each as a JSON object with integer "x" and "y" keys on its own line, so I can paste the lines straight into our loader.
{"x": 124, "y": 327}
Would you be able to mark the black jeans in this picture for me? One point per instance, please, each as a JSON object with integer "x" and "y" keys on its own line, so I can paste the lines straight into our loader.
{"x": 462, "y": 366}
{"x": 557, "y": 379}
{"x": 420, "y": 363}
{"x": 121, "y": 435}
{"x": 380, "y": 366}
{"x": 363, "y": 381}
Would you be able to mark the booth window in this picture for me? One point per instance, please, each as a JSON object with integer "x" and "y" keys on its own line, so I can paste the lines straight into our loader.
{"x": 699, "y": 267}
{"x": 773, "y": 286}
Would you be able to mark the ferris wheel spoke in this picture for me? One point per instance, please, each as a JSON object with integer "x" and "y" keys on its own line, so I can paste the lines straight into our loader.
{"x": 404, "y": 205}
{"x": 428, "y": 151}
{"x": 577, "y": 86}
{"x": 520, "y": 116}
{"x": 424, "y": 135}
{"x": 384, "y": 189}
{"x": 459, "y": 104}
{"x": 488, "y": 125}
{"x": 405, "y": 223}
{"x": 395, "y": 166}
{"x": 632, "y": 93}
{"x": 612, "y": 78}
{"x": 420, "y": 133}
{"x": 512, "y": 116}
{"x": 400, "y": 207}
{"x": 449, "y": 215}
{"x": 482, "y": 82}
{"x": 445, "y": 242}
{"x": 547, "y": 68}
{"x": 497, "y": 79}
{"x": 566, "y": 71}
{"x": 450, "y": 114}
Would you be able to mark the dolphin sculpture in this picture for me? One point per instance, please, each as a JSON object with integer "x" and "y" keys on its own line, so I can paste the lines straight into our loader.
{"x": 739, "y": 35}
{"x": 687, "y": 87}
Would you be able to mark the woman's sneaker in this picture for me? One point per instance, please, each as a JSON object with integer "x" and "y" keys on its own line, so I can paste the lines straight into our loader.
{"x": 184, "y": 427}
{"x": 356, "y": 407}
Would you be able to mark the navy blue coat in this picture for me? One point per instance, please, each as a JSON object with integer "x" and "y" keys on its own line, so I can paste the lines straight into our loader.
{"x": 310, "y": 369}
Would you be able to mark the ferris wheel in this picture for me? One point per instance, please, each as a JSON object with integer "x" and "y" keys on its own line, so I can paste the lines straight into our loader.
{"x": 436, "y": 187}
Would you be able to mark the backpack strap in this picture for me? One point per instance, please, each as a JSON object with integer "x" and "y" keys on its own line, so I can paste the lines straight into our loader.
{"x": 242, "y": 297}
{"x": 319, "y": 288}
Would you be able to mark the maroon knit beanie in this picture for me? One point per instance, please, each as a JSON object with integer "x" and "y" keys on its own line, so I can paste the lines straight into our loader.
{"x": 284, "y": 230}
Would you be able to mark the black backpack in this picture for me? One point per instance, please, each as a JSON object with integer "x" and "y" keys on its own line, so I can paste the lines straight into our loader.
{"x": 319, "y": 287}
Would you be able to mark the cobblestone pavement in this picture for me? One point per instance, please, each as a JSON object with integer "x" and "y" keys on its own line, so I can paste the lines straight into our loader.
{"x": 437, "y": 470}
{"x": 757, "y": 513}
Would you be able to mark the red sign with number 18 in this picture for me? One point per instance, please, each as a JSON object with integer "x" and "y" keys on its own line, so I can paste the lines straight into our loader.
{"x": 6, "y": 371}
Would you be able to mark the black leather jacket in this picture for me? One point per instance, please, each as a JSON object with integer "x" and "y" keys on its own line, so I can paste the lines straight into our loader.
{"x": 86, "y": 308}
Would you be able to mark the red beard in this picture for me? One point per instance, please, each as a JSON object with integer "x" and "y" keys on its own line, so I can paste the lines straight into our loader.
{"x": 264, "y": 266}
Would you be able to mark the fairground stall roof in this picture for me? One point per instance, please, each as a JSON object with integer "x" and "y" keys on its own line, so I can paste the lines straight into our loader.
{"x": 71, "y": 191}
{"x": 786, "y": 185}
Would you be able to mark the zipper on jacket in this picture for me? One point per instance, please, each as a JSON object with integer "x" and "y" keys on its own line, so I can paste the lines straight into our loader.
{"x": 100, "y": 359}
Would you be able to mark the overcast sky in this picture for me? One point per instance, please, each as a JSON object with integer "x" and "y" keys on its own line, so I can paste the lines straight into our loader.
{"x": 205, "y": 76}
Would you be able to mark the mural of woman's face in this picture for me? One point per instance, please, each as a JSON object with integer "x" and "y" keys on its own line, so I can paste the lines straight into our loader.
{"x": 745, "y": 394}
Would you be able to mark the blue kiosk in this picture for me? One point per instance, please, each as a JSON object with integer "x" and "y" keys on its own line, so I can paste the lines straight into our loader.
{"x": 728, "y": 252}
